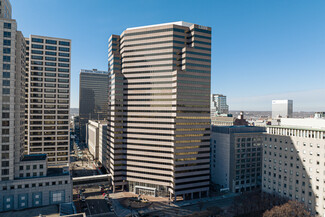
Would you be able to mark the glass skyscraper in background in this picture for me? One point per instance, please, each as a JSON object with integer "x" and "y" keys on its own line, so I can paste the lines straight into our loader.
{"x": 92, "y": 98}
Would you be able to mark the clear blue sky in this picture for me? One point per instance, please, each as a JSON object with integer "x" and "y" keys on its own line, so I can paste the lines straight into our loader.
{"x": 261, "y": 49}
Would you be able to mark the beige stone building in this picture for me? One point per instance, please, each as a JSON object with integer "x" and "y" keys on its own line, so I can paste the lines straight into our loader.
{"x": 159, "y": 109}
{"x": 25, "y": 180}
{"x": 293, "y": 162}
{"x": 48, "y": 98}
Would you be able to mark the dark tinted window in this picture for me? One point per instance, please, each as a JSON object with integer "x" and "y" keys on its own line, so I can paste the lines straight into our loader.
{"x": 38, "y": 40}
{"x": 64, "y": 43}
{"x": 7, "y": 25}
{"x": 50, "y": 41}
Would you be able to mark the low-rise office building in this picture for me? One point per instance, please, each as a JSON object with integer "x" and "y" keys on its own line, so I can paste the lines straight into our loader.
{"x": 236, "y": 157}
{"x": 35, "y": 185}
{"x": 293, "y": 162}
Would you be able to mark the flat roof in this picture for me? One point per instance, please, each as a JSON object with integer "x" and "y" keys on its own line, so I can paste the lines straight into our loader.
{"x": 179, "y": 23}
{"x": 237, "y": 129}
{"x": 34, "y": 157}
{"x": 295, "y": 127}
{"x": 93, "y": 71}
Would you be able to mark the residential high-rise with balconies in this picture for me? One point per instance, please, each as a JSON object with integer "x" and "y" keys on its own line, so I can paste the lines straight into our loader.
{"x": 48, "y": 97}
{"x": 158, "y": 130}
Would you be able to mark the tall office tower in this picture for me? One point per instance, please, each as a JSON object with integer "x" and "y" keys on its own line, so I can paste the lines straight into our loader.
{"x": 236, "y": 153}
{"x": 293, "y": 162}
{"x": 12, "y": 81}
{"x": 26, "y": 95}
{"x": 93, "y": 96}
{"x": 282, "y": 109}
{"x": 218, "y": 105}
{"x": 25, "y": 180}
{"x": 159, "y": 114}
{"x": 49, "y": 98}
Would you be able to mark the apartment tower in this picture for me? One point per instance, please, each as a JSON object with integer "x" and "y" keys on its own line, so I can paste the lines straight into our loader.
{"x": 158, "y": 130}
{"x": 93, "y": 96}
{"x": 48, "y": 97}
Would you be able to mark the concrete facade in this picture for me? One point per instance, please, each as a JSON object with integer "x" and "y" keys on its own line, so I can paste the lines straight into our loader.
{"x": 49, "y": 98}
{"x": 97, "y": 139}
{"x": 159, "y": 109}
{"x": 236, "y": 157}
{"x": 23, "y": 178}
{"x": 293, "y": 162}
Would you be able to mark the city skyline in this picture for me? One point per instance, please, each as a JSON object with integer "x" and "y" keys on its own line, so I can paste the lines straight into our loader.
{"x": 253, "y": 43}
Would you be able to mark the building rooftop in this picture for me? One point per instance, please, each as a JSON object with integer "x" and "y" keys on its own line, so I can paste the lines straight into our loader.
{"x": 95, "y": 71}
{"x": 302, "y": 123}
{"x": 67, "y": 209}
{"x": 57, "y": 171}
{"x": 179, "y": 23}
{"x": 237, "y": 129}
{"x": 34, "y": 157}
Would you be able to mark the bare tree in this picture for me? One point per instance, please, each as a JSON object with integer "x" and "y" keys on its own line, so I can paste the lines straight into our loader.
{"x": 289, "y": 209}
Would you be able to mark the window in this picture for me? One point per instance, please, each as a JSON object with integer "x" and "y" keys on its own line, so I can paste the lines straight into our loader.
{"x": 64, "y": 54}
{"x": 50, "y": 47}
{"x": 37, "y": 40}
{"x": 37, "y": 52}
{"x": 37, "y": 46}
{"x": 6, "y": 74}
{"x": 63, "y": 59}
{"x": 50, "y": 53}
{"x": 5, "y": 123}
{"x": 57, "y": 197}
{"x": 5, "y": 91}
{"x": 6, "y": 42}
{"x": 6, "y": 58}
{"x": 50, "y": 58}
{"x": 7, "y": 34}
{"x": 5, "y": 172}
{"x": 6, "y": 66}
{"x": 64, "y": 43}
{"x": 7, "y": 25}
{"x": 64, "y": 49}
{"x": 6, "y": 83}
{"x": 5, "y": 115}
{"x": 6, "y": 50}
{"x": 48, "y": 41}
{"x": 5, "y": 163}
